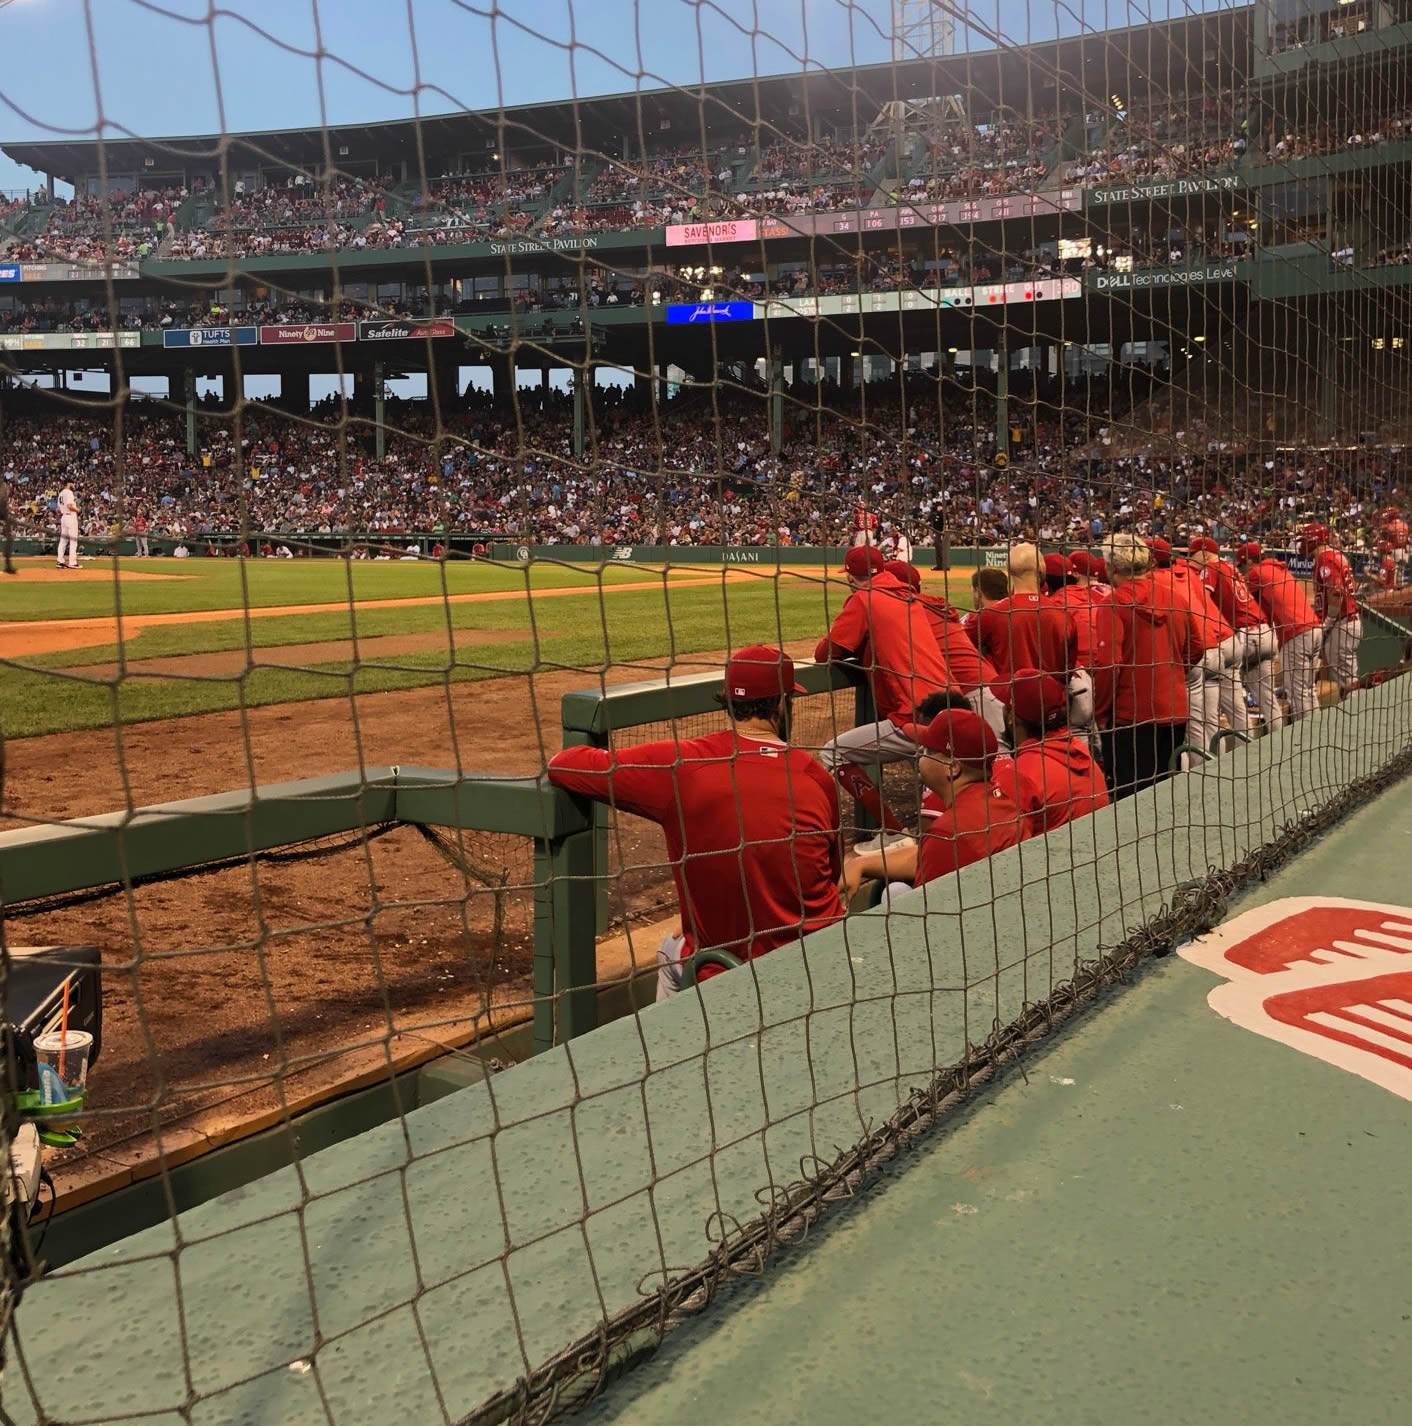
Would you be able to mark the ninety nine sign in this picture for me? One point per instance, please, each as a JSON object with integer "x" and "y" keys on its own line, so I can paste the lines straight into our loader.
{"x": 311, "y": 332}
{"x": 392, "y": 331}
{"x": 1160, "y": 277}
{"x": 1177, "y": 188}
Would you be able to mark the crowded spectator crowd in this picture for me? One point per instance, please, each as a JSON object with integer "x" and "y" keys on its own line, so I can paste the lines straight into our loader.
{"x": 698, "y": 470}
{"x": 971, "y": 161}
{"x": 1172, "y": 138}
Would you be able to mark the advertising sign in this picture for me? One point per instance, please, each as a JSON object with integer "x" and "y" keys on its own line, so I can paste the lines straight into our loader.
{"x": 1176, "y": 188}
{"x": 1160, "y": 277}
{"x": 9, "y": 272}
{"x": 401, "y": 328}
{"x": 308, "y": 333}
{"x": 738, "y": 230}
{"x": 679, "y": 313}
{"x": 211, "y": 337}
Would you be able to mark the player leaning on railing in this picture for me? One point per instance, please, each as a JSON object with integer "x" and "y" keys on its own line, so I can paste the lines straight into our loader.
{"x": 751, "y": 824}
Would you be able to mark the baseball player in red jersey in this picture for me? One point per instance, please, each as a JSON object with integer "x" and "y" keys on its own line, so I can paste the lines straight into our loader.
{"x": 1254, "y": 636}
{"x": 1027, "y": 629}
{"x": 968, "y": 669}
{"x": 1052, "y": 776}
{"x": 1336, "y": 604}
{"x": 865, "y": 526}
{"x": 1157, "y": 644}
{"x": 1292, "y": 617}
{"x": 1089, "y": 598}
{"x": 751, "y": 824}
{"x": 882, "y": 627}
{"x": 1387, "y": 566}
{"x": 976, "y": 817}
{"x": 1032, "y": 629}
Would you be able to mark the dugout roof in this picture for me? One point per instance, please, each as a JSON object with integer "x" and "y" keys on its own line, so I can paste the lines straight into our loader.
{"x": 1193, "y": 52}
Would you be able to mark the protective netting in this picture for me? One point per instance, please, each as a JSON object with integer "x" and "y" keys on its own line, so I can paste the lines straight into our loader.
{"x": 384, "y": 462}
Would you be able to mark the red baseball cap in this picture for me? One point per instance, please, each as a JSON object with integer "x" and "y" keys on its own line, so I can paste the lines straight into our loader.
{"x": 1161, "y": 552}
{"x": 1039, "y": 698}
{"x": 907, "y": 573}
{"x": 760, "y": 672}
{"x": 864, "y": 561}
{"x": 961, "y": 735}
{"x": 1250, "y": 550}
{"x": 1203, "y": 545}
{"x": 1089, "y": 566}
{"x": 1055, "y": 566}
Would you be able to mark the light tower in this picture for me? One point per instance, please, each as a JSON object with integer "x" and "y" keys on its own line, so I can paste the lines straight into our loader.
{"x": 921, "y": 29}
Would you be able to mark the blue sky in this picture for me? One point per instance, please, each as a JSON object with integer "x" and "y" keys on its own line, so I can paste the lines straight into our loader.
{"x": 162, "y": 67}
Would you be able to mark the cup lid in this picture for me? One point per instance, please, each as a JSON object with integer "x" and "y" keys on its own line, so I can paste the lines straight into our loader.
{"x": 53, "y": 1040}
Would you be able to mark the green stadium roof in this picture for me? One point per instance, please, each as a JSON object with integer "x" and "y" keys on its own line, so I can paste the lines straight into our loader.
{"x": 1195, "y": 51}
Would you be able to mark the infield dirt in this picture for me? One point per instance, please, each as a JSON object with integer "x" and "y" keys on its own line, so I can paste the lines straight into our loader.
{"x": 234, "y": 972}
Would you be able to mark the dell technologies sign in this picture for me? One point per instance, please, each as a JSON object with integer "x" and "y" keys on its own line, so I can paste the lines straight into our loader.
{"x": 686, "y": 313}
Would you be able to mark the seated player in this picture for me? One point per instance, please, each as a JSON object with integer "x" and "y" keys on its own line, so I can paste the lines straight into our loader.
{"x": 752, "y": 825}
{"x": 1052, "y": 775}
{"x": 889, "y": 634}
{"x": 975, "y": 816}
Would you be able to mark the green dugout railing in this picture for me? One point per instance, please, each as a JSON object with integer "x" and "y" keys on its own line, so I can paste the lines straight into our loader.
{"x": 122, "y": 848}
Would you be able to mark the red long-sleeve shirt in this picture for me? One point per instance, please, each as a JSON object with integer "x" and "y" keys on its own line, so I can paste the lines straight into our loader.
{"x": 969, "y": 668}
{"x": 1335, "y": 589}
{"x": 1027, "y": 631}
{"x": 1096, "y": 630}
{"x": 1159, "y": 642}
{"x": 1052, "y": 780}
{"x": 887, "y": 628}
{"x": 1279, "y": 595}
{"x": 1181, "y": 587}
{"x": 751, "y": 828}
{"x": 1232, "y": 595}
{"x": 982, "y": 820}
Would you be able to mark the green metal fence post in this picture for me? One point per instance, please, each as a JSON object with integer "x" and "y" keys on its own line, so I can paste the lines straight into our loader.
{"x": 565, "y": 939}
{"x": 573, "y": 738}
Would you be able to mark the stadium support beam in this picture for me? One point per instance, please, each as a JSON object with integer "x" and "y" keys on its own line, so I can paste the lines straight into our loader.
{"x": 294, "y": 391}
{"x": 189, "y": 395}
{"x": 1002, "y": 395}
{"x": 580, "y": 397}
{"x": 379, "y": 409}
{"x": 776, "y": 402}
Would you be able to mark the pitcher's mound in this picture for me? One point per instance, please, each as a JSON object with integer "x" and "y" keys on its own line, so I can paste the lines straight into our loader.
{"x": 44, "y": 571}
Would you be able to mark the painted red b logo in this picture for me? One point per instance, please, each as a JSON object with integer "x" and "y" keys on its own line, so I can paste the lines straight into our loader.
{"x": 1324, "y": 975}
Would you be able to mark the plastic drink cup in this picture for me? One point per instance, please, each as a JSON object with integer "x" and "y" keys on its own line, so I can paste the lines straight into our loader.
{"x": 67, "y": 1056}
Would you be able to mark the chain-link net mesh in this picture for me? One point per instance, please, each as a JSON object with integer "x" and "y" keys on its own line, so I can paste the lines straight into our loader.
{"x": 332, "y": 444}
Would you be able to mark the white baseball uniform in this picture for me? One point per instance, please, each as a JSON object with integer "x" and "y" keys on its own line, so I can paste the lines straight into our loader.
{"x": 68, "y": 529}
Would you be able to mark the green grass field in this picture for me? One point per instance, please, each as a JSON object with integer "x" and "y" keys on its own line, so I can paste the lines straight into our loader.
{"x": 535, "y": 627}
